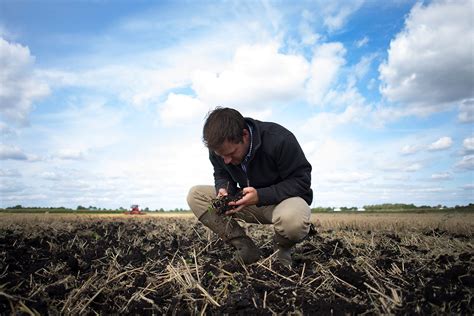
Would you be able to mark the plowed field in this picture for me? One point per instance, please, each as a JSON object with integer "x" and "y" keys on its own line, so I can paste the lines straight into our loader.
{"x": 52, "y": 264}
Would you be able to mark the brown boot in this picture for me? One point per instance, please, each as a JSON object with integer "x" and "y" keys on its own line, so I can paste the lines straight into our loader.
{"x": 231, "y": 232}
{"x": 284, "y": 247}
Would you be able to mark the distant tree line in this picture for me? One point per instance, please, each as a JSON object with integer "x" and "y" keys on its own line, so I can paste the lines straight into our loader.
{"x": 387, "y": 207}
{"x": 391, "y": 207}
{"x": 332, "y": 209}
{"x": 87, "y": 208}
{"x": 19, "y": 207}
{"x": 413, "y": 207}
{"x": 322, "y": 209}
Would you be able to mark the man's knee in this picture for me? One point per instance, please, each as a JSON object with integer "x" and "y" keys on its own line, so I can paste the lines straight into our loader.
{"x": 293, "y": 219}
{"x": 199, "y": 197}
{"x": 295, "y": 228}
{"x": 192, "y": 195}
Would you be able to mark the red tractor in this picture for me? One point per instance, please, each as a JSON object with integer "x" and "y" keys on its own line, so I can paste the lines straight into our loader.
{"x": 134, "y": 210}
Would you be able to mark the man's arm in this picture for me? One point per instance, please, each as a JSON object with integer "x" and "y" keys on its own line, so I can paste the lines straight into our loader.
{"x": 222, "y": 179}
{"x": 293, "y": 168}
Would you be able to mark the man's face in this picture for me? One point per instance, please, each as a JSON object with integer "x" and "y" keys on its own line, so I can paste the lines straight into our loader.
{"x": 234, "y": 153}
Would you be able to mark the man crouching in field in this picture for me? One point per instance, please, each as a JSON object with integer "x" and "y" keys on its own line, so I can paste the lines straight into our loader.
{"x": 265, "y": 160}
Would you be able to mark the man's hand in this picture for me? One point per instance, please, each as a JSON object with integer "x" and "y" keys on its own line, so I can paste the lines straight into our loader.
{"x": 222, "y": 192}
{"x": 250, "y": 198}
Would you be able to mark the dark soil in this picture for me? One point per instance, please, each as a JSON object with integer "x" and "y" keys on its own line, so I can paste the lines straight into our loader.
{"x": 173, "y": 266}
{"x": 221, "y": 204}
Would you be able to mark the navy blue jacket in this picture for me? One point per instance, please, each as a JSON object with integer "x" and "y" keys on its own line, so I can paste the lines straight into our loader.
{"x": 278, "y": 168}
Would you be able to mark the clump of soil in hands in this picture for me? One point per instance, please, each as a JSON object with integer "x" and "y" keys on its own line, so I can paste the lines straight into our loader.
{"x": 221, "y": 205}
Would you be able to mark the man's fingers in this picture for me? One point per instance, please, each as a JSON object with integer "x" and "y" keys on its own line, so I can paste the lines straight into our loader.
{"x": 222, "y": 192}
{"x": 231, "y": 212}
{"x": 235, "y": 210}
{"x": 235, "y": 203}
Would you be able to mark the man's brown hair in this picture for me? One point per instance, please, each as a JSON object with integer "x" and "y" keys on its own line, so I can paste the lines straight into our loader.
{"x": 223, "y": 124}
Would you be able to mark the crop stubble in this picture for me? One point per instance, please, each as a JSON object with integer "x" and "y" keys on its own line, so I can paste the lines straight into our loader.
{"x": 392, "y": 263}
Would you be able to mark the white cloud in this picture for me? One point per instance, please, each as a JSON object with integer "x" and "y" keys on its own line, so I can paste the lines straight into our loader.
{"x": 49, "y": 175}
{"x": 384, "y": 114}
{"x": 85, "y": 125}
{"x": 180, "y": 109}
{"x": 325, "y": 122}
{"x": 257, "y": 76}
{"x": 348, "y": 177}
{"x": 142, "y": 79}
{"x": 308, "y": 36}
{"x": 397, "y": 177}
{"x": 427, "y": 190}
{"x": 441, "y": 144}
{"x": 413, "y": 167}
{"x": 441, "y": 176}
{"x": 328, "y": 154}
{"x": 70, "y": 154}
{"x": 13, "y": 173}
{"x": 362, "y": 42}
{"x": 397, "y": 165}
{"x": 327, "y": 60}
{"x": 466, "y": 111}
{"x": 261, "y": 113}
{"x": 361, "y": 69}
{"x": 347, "y": 97}
{"x": 80, "y": 185}
{"x": 158, "y": 177}
{"x": 11, "y": 186}
{"x": 468, "y": 187}
{"x": 134, "y": 84}
{"x": 336, "y": 13}
{"x": 352, "y": 171}
{"x": 468, "y": 144}
{"x": 23, "y": 197}
{"x": 422, "y": 142}
{"x": 430, "y": 64}
{"x": 466, "y": 163}
{"x": 5, "y": 130}
{"x": 349, "y": 173}
{"x": 20, "y": 87}
{"x": 323, "y": 89}
{"x": 410, "y": 149}
{"x": 12, "y": 152}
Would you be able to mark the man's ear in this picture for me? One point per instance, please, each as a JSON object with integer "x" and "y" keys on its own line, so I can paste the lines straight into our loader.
{"x": 245, "y": 135}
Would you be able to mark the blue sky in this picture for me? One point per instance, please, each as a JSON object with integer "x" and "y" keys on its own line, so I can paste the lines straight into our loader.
{"x": 102, "y": 102}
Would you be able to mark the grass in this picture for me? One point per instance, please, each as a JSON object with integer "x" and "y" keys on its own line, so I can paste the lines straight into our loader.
{"x": 446, "y": 221}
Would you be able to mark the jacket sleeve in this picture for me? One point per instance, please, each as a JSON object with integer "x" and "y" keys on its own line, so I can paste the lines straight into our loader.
{"x": 222, "y": 178}
{"x": 294, "y": 170}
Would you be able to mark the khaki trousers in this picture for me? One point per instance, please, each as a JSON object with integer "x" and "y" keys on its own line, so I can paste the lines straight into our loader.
{"x": 290, "y": 218}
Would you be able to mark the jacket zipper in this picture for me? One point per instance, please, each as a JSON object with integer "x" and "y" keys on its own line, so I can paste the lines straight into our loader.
{"x": 246, "y": 175}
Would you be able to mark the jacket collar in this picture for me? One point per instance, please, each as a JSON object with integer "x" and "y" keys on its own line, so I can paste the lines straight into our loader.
{"x": 256, "y": 136}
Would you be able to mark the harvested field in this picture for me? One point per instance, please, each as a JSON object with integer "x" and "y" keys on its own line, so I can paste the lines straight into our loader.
{"x": 357, "y": 263}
